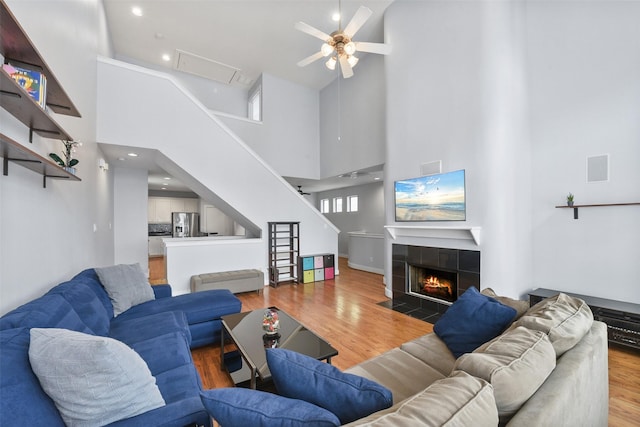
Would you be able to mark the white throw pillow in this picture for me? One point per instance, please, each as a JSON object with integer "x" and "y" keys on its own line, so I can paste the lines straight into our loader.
{"x": 92, "y": 380}
{"x": 126, "y": 285}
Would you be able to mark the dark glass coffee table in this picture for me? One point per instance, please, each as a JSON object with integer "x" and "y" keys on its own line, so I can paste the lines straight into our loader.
{"x": 245, "y": 330}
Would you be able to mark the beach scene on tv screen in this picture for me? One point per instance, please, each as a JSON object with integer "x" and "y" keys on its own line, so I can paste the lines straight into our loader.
{"x": 431, "y": 198}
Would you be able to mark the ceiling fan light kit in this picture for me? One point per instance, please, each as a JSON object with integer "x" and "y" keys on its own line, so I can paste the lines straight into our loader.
{"x": 340, "y": 46}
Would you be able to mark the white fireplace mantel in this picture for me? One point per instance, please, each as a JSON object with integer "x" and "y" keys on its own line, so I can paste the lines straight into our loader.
{"x": 459, "y": 233}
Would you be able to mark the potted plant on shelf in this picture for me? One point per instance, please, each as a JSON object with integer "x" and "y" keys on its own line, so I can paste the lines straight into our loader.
{"x": 69, "y": 162}
{"x": 569, "y": 199}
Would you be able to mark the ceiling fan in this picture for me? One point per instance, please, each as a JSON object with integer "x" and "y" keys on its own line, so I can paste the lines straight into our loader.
{"x": 339, "y": 46}
{"x": 302, "y": 192}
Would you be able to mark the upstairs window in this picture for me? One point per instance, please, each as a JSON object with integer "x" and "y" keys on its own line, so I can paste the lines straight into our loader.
{"x": 337, "y": 204}
{"x": 255, "y": 104}
{"x": 324, "y": 206}
{"x": 352, "y": 204}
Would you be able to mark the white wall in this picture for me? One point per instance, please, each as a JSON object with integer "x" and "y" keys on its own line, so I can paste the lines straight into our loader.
{"x": 47, "y": 235}
{"x": 352, "y": 119}
{"x": 130, "y": 217}
{"x": 584, "y": 62}
{"x": 518, "y": 94}
{"x": 214, "y": 95}
{"x": 288, "y": 136}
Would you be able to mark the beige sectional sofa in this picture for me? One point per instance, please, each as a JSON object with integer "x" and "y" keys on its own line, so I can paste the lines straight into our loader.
{"x": 549, "y": 368}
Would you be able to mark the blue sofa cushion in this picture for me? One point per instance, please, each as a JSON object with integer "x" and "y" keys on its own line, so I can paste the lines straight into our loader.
{"x": 181, "y": 382}
{"x": 85, "y": 303}
{"x": 92, "y": 380}
{"x": 126, "y": 285}
{"x": 198, "y": 307}
{"x": 164, "y": 352}
{"x": 130, "y": 331}
{"x": 239, "y": 407}
{"x": 187, "y": 412}
{"x": 349, "y": 397}
{"x": 162, "y": 291}
{"x": 23, "y": 402}
{"x": 48, "y": 311}
{"x": 471, "y": 321}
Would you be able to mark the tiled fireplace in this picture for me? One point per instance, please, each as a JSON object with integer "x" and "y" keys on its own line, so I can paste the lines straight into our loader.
{"x": 427, "y": 280}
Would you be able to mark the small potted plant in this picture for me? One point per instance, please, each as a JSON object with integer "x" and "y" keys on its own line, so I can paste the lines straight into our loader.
{"x": 69, "y": 162}
{"x": 569, "y": 199}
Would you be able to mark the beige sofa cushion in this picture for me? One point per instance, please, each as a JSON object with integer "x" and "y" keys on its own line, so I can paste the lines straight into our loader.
{"x": 520, "y": 306}
{"x": 399, "y": 371}
{"x": 459, "y": 400}
{"x": 433, "y": 351}
{"x": 516, "y": 363}
{"x": 565, "y": 319}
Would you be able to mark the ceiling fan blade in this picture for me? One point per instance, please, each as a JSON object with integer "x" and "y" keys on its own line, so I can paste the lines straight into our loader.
{"x": 357, "y": 21}
{"x": 306, "y": 28}
{"x": 309, "y": 59}
{"x": 380, "y": 48}
{"x": 347, "y": 71}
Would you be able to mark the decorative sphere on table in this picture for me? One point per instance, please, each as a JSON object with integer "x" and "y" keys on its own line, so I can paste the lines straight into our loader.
{"x": 270, "y": 321}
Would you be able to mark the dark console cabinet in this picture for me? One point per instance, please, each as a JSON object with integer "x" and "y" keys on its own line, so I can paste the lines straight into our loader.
{"x": 622, "y": 318}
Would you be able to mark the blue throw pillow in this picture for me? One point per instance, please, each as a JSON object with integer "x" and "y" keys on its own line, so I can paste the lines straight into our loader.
{"x": 349, "y": 396}
{"x": 242, "y": 407}
{"x": 471, "y": 321}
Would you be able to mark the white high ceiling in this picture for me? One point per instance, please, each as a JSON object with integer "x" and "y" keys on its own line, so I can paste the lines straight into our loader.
{"x": 254, "y": 36}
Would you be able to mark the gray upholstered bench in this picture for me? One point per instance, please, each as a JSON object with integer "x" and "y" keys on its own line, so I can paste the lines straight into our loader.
{"x": 236, "y": 281}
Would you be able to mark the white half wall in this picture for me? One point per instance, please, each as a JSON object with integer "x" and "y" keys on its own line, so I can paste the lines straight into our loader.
{"x": 186, "y": 258}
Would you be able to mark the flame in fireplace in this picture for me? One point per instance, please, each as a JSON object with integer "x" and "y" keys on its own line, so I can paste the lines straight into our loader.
{"x": 435, "y": 286}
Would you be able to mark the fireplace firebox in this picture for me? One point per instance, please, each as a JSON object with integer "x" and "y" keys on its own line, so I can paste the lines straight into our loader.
{"x": 433, "y": 283}
{"x": 429, "y": 279}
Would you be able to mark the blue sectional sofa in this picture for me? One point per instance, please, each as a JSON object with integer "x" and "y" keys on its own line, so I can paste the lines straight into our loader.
{"x": 161, "y": 331}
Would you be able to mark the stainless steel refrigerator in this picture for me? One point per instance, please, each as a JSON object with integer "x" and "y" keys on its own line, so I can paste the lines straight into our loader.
{"x": 185, "y": 224}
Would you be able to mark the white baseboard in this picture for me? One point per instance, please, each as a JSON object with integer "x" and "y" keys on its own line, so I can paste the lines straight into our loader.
{"x": 366, "y": 268}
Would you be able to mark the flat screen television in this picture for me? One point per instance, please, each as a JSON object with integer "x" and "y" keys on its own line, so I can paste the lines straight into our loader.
{"x": 439, "y": 197}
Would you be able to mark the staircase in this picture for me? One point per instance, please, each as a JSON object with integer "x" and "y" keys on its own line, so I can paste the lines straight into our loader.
{"x": 138, "y": 107}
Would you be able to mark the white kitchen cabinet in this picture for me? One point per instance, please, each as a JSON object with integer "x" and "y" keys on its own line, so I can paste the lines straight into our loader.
{"x": 159, "y": 209}
{"x": 191, "y": 205}
{"x": 177, "y": 205}
{"x": 163, "y": 210}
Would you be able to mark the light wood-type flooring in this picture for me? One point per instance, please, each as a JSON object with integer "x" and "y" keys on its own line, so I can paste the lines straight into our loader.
{"x": 346, "y": 313}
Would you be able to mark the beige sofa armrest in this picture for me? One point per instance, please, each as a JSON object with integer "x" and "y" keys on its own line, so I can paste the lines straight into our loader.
{"x": 585, "y": 368}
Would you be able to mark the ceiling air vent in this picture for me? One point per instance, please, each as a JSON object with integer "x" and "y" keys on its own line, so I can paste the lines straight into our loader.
{"x": 204, "y": 67}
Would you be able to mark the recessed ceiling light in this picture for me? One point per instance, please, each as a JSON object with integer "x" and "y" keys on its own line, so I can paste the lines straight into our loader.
{"x": 166, "y": 57}
{"x": 377, "y": 178}
{"x": 167, "y": 177}
{"x": 136, "y": 10}
{"x": 132, "y": 155}
{"x": 335, "y": 17}
{"x": 164, "y": 188}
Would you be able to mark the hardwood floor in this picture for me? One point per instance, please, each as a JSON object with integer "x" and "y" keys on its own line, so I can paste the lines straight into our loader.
{"x": 344, "y": 311}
